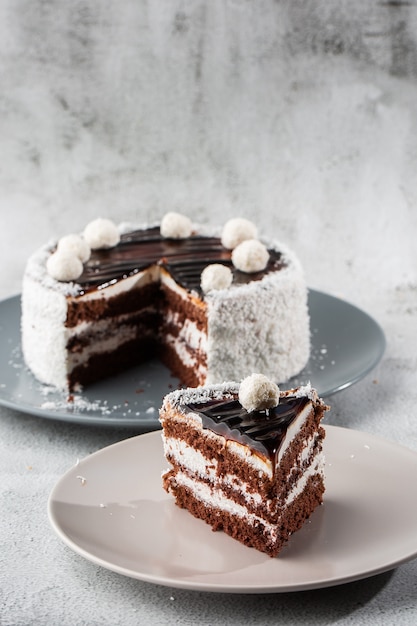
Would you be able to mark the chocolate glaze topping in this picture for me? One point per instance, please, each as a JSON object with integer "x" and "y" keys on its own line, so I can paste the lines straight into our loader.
{"x": 185, "y": 259}
{"x": 263, "y": 431}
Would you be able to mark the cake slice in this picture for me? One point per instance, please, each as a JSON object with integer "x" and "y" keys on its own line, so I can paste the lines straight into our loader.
{"x": 256, "y": 473}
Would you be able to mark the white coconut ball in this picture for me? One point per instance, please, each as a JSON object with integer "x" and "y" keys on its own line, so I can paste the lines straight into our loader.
{"x": 257, "y": 392}
{"x": 250, "y": 256}
{"x": 64, "y": 266}
{"x": 236, "y": 230}
{"x": 101, "y": 233}
{"x": 76, "y": 245}
{"x": 176, "y": 226}
{"x": 216, "y": 276}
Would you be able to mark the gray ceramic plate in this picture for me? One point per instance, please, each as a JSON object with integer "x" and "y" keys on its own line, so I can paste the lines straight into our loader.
{"x": 366, "y": 526}
{"x": 346, "y": 344}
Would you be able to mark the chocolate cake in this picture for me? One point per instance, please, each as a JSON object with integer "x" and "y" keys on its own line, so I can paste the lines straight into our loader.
{"x": 139, "y": 293}
{"x": 256, "y": 474}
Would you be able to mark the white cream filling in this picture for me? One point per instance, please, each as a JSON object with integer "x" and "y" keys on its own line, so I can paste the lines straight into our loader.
{"x": 215, "y": 498}
{"x": 107, "y": 335}
{"x": 316, "y": 468}
{"x": 195, "y": 463}
{"x": 293, "y": 430}
{"x": 101, "y": 326}
{"x": 183, "y": 353}
{"x": 109, "y": 344}
{"x": 190, "y": 458}
{"x": 189, "y": 332}
{"x": 169, "y": 282}
{"x": 189, "y": 339}
{"x": 114, "y": 288}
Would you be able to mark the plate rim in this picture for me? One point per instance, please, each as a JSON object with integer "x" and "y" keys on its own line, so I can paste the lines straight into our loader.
{"x": 211, "y": 587}
{"x": 90, "y": 418}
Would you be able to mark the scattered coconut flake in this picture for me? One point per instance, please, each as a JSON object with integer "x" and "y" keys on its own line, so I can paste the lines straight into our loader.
{"x": 250, "y": 256}
{"x": 176, "y": 226}
{"x": 82, "y": 480}
{"x": 101, "y": 233}
{"x": 216, "y": 276}
{"x": 75, "y": 244}
{"x": 78, "y": 404}
{"x": 48, "y": 406}
{"x": 64, "y": 266}
{"x": 257, "y": 392}
{"x": 236, "y": 230}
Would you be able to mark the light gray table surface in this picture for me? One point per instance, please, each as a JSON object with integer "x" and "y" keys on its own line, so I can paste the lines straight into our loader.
{"x": 299, "y": 117}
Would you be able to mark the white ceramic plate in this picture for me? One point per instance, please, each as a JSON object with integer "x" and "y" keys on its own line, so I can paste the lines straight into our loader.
{"x": 112, "y": 510}
{"x": 346, "y": 344}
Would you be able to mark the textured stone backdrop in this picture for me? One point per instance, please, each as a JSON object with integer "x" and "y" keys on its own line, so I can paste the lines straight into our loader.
{"x": 286, "y": 111}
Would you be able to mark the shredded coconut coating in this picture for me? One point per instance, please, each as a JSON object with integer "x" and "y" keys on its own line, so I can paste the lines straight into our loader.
{"x": 258, "y": 392}
{"x": 76, "y": 245}
{"x": 44, "y": 311}
{"x": 305, "y": 391}
{"x": 250, "y": 256}
{"x": 215, "y": 277}
{"x": 36, "y": 271}
{"x": 236, "y": 230}
{"x": 201, "y": 394}
{"x": 226, "y": 390}
{"x": 278, "y": 306}
{"x": 101, "y": 234}
{"x": 176, "y": 226}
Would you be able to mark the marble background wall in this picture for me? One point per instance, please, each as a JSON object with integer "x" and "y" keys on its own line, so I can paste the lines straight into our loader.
{"x": 299, "y": 114}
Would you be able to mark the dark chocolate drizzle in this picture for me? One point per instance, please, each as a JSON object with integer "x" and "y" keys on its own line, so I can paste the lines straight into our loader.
{"x": 185, "y": 259}
{"x": 263, "y": 430}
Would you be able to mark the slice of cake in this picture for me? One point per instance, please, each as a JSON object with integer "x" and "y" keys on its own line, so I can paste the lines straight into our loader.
{"x": 255, "y": 472}
{"x": 212, "y": 305}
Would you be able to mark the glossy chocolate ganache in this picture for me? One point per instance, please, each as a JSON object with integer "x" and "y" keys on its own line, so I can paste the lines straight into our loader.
{"x": 184, "y": 259}
{"x": 264, "y": 430}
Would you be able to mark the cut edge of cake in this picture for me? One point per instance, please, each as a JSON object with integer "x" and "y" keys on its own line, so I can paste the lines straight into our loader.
{"x": 70, "y": 334}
